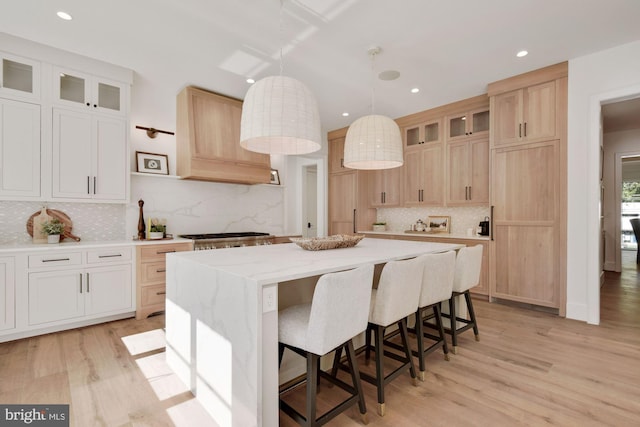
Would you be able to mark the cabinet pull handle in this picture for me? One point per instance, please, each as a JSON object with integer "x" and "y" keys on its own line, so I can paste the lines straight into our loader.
{"x": 88, "y": 185}
{"x": 341, "y": 163}
{"x": 55, "y": 260}
{"x": 525, "y": 129}
{"x": 88, "y": 290}
{"x": 354, "y": 220}
{"x": 491, "y": 221}
{"x": 162, "y": 270}
{"x": 88, "y": 104}
{"x": 469, "y": 192}
{"x": 520, "y": 130}
{"x": 109, "y": 256}
{"x": 80, "y": 282}
{"x": 161, "y": 293}
{"x": 165, "y": 252}
{"x": 94, "y": 184}
{"x": 382, "y": 197}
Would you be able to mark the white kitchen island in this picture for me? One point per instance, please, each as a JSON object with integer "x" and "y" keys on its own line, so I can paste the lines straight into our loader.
{"x": 222, "y": 318}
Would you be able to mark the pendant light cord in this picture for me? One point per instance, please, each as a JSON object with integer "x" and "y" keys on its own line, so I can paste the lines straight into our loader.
{"x": 373, "y": 80}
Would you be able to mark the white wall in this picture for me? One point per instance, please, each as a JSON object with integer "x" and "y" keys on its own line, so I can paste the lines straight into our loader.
{"x": 616, "y": 145}
{"x": 606, "y": 75}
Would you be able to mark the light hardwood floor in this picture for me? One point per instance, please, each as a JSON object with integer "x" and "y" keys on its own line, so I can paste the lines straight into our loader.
{"x": 530, "y": 368}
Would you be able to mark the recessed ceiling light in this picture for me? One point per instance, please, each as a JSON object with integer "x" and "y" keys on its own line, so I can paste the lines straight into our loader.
{"x": 64, "y": 15}
{"x": 345, "y": 114}
{"x": 389, "y": 75}
{"x": 415, "y": 90}
{"x": 250, "y": 81}
{"x": 522, "y": 53}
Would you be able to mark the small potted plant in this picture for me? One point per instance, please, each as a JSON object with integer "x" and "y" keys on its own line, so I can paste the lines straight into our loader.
{"x": 379, "y": 226}
{"x": 156, "y": 231}
{"x": 53, "y": 229}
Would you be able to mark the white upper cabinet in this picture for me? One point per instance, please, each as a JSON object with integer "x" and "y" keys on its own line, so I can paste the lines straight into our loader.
{"x": 79, "y": 90}
{"x": 19, "y": 78}
{"x": 19, "y": 150}
{"x": 89, "y": 156}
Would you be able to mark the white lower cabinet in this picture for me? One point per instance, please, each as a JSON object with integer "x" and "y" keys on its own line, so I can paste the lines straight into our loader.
{"x": 7, "y": 294}
{"x": 62, "y": 287}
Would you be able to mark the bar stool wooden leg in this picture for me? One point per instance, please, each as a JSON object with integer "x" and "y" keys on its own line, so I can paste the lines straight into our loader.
{"x": 367, "y": 352}
{"x": 420, "y": 340}
{"x": 312, "y": 384}
{"x": 355, "y": 378}
{"x": 438, "y": 316}
{"x": 472, "y": 314}
{"x": 379, "y": 338}
{"x": 404, "y": 335}
{"x": 454, "y": 323}
{"x": 280, "y": 353}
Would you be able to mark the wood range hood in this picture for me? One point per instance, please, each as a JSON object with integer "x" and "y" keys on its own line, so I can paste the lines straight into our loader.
{"x": 208, "y": 140}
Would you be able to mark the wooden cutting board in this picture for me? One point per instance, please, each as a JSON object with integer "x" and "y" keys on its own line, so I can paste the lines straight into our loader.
{"x": 60, "y": 216}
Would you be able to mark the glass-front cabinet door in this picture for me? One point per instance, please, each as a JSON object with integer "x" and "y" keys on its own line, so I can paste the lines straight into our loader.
{"x": 19, "y": 77}
{"x": 76, "y": 89}
{"x": 473, "y": 123}
{"x": 423, "y": 133}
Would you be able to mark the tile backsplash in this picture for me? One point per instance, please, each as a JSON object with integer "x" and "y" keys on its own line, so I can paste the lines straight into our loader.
{"x": 91, "y": 221}
{"x": 462, "y": 218}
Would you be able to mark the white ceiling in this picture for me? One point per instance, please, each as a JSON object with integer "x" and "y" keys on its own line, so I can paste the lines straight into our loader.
{"x": 449, "y": 49}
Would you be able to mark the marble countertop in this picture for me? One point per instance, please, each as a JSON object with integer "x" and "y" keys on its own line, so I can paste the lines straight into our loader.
{"x": 70, "y": 245}
{"x": 277, "y": 263}
{"x": 426, "y": 235}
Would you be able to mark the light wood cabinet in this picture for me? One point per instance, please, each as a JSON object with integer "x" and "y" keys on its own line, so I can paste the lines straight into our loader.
{"x": 208, "y": 140}
{"x": 19, "y": 77}
{"x": 20, "y": 149}
{"x": 348, "y": 199}
{"x": 423, "y": 133}
{"x": 526, "y": 115}
{"x": 385, "y": 187}
{"x": 468, "y": 173}
{"x": 473, "y": 123}
{"x": 424, "y": 176}
{"x": 7, "y": 294}
{"x": 75, "y": 89}
{"x": 528, "y": 188}
{"x": 150, "y": 276}
{"x": 90, "y": 156}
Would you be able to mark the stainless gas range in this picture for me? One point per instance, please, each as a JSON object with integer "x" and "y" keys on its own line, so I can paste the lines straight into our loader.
{"x": 228, "y": 240}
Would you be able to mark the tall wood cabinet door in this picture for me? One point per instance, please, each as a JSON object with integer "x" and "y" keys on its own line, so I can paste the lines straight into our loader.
{"x": 56, "y": 295}
{"x": 479, "y": 172}
{"x": 412, "y": 191}
{"x": 342, "y": 203}
{"x": 525, "y": 195}
{"x": 110, "y": 159}
{"x": 19, "y": 149}
{"x": 336, "y": 155}
{"x": 539, "y": 112}
{"x": 108, "y": 289}
{"x": 458, "y": 173}
{"x": 385, "y": 187}
{"x": 507, "y": 117}
{"x": 72, "y": 162}
{"x": 433, "y": 176}
{"x": 7, "y": 293}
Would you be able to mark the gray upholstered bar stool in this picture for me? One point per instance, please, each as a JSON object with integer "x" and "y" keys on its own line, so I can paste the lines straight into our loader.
{"x": 337, "y": 313}
{"x": 392, "y": 302}
{"x": 467, "y": 275}
{"x": 437, "y": 286}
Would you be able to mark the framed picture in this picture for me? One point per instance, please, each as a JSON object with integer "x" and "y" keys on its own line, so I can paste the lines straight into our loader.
{"x": 275, "y": 177}
{"x": 439, "y": 224}
{"x": 152, "y": 163}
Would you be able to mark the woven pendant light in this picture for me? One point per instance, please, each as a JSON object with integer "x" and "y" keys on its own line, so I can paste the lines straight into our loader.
{"x": 280, "y": 115}
{"x": 373, "y": 141}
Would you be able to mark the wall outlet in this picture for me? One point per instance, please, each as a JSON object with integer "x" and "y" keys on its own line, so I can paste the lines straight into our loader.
{"x": 269, "y": 298}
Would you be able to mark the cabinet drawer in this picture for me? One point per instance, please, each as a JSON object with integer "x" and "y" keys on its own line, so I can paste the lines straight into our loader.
{"x": 153, "y": 295}
{"x": 152, "y": 253}
{"x": 100, "y": 256}
{"x": 152, "y": 272}
{"x": 55, "y": 259}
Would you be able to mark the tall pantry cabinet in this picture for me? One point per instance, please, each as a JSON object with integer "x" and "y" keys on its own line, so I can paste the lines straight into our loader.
{"x": 528, "y": 184}
{"x": 349, "y": 210}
